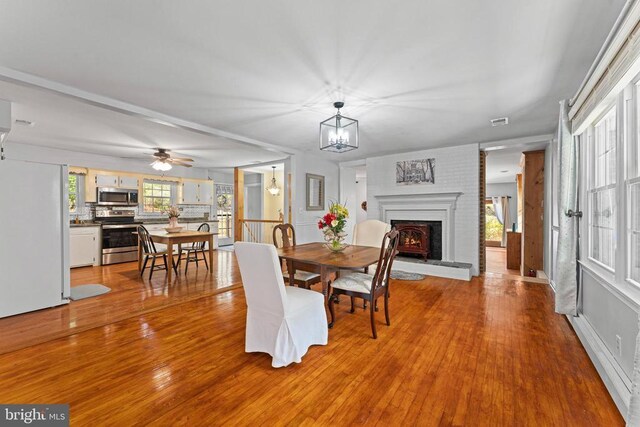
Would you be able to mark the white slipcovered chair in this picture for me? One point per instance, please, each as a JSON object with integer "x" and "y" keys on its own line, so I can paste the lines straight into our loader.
{"x": 370, "y": 233}
{"x": 281, "y": 321}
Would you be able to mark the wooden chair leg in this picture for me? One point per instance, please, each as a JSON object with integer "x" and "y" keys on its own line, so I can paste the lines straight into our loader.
{"x": 144, "y": 265}
{"x": 153, "y": 265}
{"x": 332, "y": 299}
{"x": 373, "y": 319}
{"x": 386, "y": 308}
{"x": 204, "y": 257}
{"x": 166, "y": 265}
{"x": 186, "y": 266}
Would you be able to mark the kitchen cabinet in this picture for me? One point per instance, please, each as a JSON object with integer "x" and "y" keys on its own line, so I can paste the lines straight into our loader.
{"x": 128, "y": 182}
{"x": 106, "y": 180}
{"x": 197, "y": 193}
{"x": 190, "y": 193}
{"x": 84, "y": 246}
{"x": 116, "y": 181}
{"x": 206, "y": 193}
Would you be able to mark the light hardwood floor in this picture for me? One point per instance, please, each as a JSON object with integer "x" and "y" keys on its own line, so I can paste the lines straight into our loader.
{"x": 485, "y": 352}
{"x": 497, "y": 261}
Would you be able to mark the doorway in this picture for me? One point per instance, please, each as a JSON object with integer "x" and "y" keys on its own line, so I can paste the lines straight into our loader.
{"x": 502, "y": 222}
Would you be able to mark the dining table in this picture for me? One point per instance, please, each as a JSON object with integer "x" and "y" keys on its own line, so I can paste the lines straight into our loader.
{"x": 326, "y": 261}
{"x": 179, "y": 239}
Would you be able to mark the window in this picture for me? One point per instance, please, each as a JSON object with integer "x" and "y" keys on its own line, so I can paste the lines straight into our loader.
{"x": 602, "y": 193}
{"x": 157, "y": 196}
{"x": 73, "y": 193}
{"x": 633, "y": 199}
{"x": 634, "y": 230}
{"x": 493, "y": 228}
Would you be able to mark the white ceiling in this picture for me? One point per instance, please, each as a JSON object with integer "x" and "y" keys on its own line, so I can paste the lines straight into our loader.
{"x": 428, "y": 73}
{"x": 502, "y": 166}
{"x": 62, "y": 122}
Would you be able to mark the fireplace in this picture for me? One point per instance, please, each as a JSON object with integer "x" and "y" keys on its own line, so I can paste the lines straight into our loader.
{"x": 422, "y": 239}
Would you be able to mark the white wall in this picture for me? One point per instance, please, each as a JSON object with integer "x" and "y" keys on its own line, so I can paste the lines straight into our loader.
{"x": 361, "y": 196}
{"x": 35, "y": 153}
{"x": 457, "y": 170}
{"x": 305, "y": 222}
{"x": 506, "y": 189}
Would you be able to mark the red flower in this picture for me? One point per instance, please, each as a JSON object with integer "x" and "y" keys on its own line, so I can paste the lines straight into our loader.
{"x": 320, "y": 225}
{"x": 328, "y": 218}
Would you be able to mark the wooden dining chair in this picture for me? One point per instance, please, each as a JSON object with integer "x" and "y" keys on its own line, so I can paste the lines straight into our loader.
{"x": 366, "y": 286}
{"x": 369, "y": 232}
{"x": 305, "y": 274}
{"x": 149, "y": 251}
{"x": 194, "y": 249}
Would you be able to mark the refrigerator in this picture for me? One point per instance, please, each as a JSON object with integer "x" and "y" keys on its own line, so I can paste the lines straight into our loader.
{"x": 34, "y": 236}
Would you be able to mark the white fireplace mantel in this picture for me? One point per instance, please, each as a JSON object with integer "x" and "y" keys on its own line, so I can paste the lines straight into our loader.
{"x": 424, "y": 206}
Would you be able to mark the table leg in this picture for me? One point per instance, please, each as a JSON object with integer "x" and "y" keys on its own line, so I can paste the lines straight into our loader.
{"x": 292, "y": 272}
{"x": 179, "y": 255}
{"x": 139, "y": 253}
{"x": 170, "y": 256}
{"x": 211, "y": 255}
{"x": 324, "y": 279}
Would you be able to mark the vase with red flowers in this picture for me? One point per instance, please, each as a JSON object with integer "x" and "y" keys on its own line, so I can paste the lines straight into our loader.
{"x": 332, "y": 225}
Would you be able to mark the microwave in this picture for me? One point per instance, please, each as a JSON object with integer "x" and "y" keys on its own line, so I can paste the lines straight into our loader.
{"x": 117, "y": 197}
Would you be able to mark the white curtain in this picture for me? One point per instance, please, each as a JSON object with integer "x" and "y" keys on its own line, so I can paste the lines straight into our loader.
{"x": 633, "y": 415}
{"x": 501, "y": 208}
{"x": 566, "y": 256}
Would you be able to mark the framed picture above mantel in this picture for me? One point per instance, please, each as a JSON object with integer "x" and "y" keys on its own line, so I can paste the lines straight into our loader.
{"x": 410, "y": 172}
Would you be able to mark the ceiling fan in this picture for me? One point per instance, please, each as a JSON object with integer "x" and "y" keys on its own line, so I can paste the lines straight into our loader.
{"x": 163, "y": 160}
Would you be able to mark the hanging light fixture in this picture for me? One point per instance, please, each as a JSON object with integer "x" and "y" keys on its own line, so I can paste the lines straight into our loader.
{"x": 161, "y": 165}
{"x": 339, "y": 133}
{"x": 273, "y": 187}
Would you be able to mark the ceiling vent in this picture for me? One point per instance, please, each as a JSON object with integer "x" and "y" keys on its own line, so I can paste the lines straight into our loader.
{"x": 502, "y": 121}
{"x": 25, "y": 123}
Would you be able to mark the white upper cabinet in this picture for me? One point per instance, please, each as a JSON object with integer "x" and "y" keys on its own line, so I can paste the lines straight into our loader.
{"x": 190, "y": 193}
{"x": 128, "y": 182}
{"x": 116, "y": 181}
{"x": 206, "y": 193}
{"x": 106, "y": 181}
{"x": 195, "y": 193}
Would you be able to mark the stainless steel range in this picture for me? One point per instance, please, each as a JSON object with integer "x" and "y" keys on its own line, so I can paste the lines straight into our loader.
{"x": 119, "y": 243}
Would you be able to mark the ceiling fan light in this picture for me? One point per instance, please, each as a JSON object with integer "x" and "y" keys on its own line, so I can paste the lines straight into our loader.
{"x": 159, "y": 165}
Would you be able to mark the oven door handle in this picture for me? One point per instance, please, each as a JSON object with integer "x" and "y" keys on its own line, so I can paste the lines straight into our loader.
{"x": 120, "y": 226}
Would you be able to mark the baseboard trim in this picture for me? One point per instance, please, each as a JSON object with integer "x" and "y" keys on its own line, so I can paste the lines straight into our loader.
{"x": 604, "y": 363}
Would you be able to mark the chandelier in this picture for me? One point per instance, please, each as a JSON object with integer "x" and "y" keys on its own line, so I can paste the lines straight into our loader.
{"x": 273, "y": 187}
{"x": 339, "y": 133}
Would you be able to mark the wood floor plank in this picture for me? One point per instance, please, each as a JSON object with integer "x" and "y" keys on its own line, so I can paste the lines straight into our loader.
{"x": 486, "y": 352}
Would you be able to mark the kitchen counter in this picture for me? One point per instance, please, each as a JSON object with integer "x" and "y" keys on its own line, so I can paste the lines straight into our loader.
{"x": 84, "y": 224}
{"x": 180, "y": 220}
{"x": 147, "y": 221}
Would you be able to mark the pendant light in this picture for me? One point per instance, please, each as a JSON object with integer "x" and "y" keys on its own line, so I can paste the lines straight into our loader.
{"x": 339, "y": 134}
{"x": 273, "y": 187}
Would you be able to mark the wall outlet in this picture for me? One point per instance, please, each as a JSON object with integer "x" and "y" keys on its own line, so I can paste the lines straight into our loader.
{"x": 618, "y": 346}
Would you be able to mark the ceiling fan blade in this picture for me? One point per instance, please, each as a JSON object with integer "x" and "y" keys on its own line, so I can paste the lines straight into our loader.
{"x": 179, "y": 163}
{"x": 182, "y": 159}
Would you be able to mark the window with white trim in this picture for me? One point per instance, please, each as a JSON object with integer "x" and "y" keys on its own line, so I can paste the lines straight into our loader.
{"x": 602, "y": 191}
{"x": 157, "y": 196}
{"x": 632, "y": 189}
